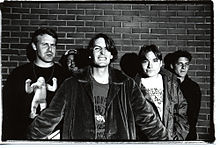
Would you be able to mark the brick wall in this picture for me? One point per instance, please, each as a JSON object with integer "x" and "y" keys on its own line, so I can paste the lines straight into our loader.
{"x": 169, "y": 25}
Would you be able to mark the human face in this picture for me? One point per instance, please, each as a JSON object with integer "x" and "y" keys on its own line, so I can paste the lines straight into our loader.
{"x": 151, "y": 65}
{"x": 45, "y": 49}
{"x": 101, "y": 55}
{"x": 181, "y": 67}
{"x": 71, "y": 64}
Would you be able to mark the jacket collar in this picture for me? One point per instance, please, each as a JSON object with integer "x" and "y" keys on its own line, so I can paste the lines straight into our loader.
{"x": 167, "y": 77}
{"x": 115, "y": 76}
{"x": 164, "y": 73}
{"x": 116, "y": 79}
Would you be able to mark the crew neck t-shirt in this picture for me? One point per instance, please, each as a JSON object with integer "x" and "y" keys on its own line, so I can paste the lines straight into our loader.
{"x": 100, "y": 93}
{"x": 154, "y": 88}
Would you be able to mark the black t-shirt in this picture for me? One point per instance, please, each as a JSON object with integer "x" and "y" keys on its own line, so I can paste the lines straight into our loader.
{"x": 17, "y": 103}
{"x": 100, "y": 93}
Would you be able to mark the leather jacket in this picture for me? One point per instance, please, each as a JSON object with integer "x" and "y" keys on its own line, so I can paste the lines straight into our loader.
{"x": 125, "y": 108}
{"x": 175, "y": 106}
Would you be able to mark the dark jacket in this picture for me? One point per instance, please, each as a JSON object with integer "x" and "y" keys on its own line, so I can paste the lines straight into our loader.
{"x": 191, "y": 91}
{"x": 175, "y": 106}
{"x": 125, "y": 108}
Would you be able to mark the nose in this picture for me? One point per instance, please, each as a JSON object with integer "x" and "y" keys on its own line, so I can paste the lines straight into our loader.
{"x": 71, "y": 63}
{"x": 103, "y": 50}
{"x": 50, "y": 47}
{"x": 183, "y": 66}
{"x": 149, "y": 64}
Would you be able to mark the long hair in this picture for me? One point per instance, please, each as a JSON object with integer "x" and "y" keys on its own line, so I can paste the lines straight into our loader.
{"x": 110, "y": 45}
{"x": 141, "y": 56}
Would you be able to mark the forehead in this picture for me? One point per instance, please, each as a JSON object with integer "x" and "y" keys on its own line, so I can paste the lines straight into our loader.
{"x": 70, "y": 56}
{"x": 150, "y": 55}
{"x": 99, "y": 42}
{"x": 183, "y": 59}
{"x": 45, "y": 37}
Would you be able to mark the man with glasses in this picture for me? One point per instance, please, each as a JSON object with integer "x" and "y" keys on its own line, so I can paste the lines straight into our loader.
{"x": 99, "y": 104}
{"x": 180, "y": 64}
{"x": 30, "y": 87}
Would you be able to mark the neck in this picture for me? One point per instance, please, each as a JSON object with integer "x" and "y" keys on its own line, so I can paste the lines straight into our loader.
{"x": 101, "y": 75}
{"x": 43, "y": 64}
{"x": 181, "y": 79}
{"x": 153, "y": 77}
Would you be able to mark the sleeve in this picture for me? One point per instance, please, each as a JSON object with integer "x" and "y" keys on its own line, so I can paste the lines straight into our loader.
{"x": 193, "y": 119}
{"x": 8, "y": 104}
{"x": 181, "y": 126}
{"x": 44, "y": 124}
{"x": 146, "y": 118}
{"x": 12, "y": 100}
{"x": 197, "y": 97}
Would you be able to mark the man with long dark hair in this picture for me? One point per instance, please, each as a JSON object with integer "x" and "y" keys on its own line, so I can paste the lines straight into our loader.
{"x": 100, "y": 103}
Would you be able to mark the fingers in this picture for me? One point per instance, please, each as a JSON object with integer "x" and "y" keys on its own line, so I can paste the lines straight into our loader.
{"x": 28, "y": 88}
{"x": 33, "y": 109}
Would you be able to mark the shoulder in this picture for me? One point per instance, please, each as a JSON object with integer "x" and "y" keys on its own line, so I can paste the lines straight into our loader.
{"x": 23, "y": 68}
{"x": 169, "y": 75}
{"x": 57, "y": 66}
{"x": 118, "y": 77}
{"x": 191, "y": 82}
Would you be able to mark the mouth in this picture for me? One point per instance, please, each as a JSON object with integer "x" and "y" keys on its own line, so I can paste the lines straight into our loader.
{"x": 102, "y": 58}
{"x": 149, "y": 70}
{"x": 49, "y": 54}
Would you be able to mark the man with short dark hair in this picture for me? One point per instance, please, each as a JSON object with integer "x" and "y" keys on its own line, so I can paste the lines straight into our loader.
{"x": 180, "y": 64}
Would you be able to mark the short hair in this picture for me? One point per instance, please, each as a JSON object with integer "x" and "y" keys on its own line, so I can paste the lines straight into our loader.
{"x": 110, "y": 45}
{"x": 43, "y": 31}
{"x": 30, "y": 52}
{"x": 147, "y": 48}
{"x": 181, "y": 53}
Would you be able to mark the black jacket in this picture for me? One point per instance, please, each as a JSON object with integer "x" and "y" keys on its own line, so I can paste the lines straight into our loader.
{"x": 191, "y": 91}
{"x": 175, "y": 106}
{"x": 125, "y": 108}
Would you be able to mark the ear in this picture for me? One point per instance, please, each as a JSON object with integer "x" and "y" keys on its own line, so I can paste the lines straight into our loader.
{"x": 171, "y": 66}
{"x": 161, "y": 63}
{"x": 34, "y": 46}
{"x": 111, "y": 57}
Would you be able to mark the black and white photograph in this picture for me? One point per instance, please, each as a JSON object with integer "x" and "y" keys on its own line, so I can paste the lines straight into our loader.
{"x": 108, "y": 72}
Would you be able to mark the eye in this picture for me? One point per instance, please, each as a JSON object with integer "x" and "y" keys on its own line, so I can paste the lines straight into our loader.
{"x": 96, "y": 48}
{"x": 156, "y": 60}
{"x": 44, "y": 44}
{"x": 187, "y": 64}
{"x": 145, "y": 61}
{"x": 53, "y": 45}
{"x": 179, "y": 64}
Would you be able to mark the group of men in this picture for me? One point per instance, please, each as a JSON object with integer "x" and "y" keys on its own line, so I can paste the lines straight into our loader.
{"x": 99, "y": 102}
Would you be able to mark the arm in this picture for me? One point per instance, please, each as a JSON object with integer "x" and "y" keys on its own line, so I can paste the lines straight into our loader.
{"x": 53, "y": 88}
{"x": 146, "y": 118}
{"x": 44, "y": 124}
{"x": 197, "y": 98}
{"x": 181, "y": 126}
